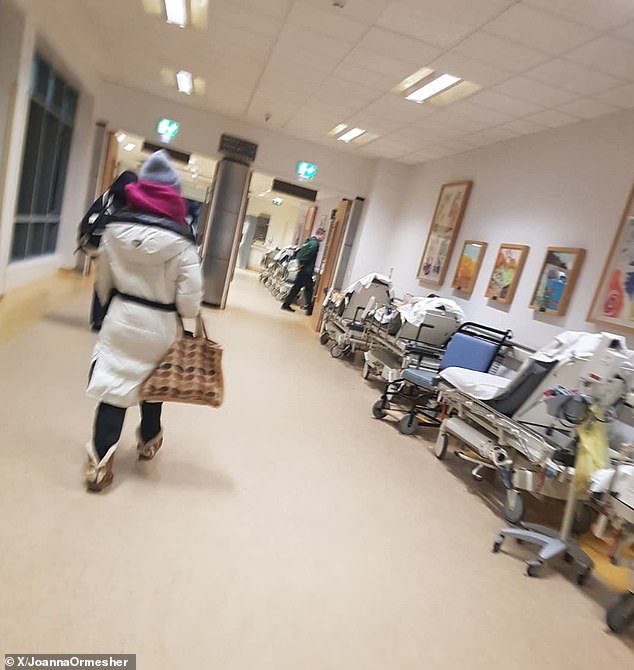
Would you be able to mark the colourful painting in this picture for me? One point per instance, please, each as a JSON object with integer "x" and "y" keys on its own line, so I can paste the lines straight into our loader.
{"x": 468, "y": 266}
{"x": 613, "y": 303}
{"x": 506, "y": 272}
{"x": 557, "y": 279}
{"x": 441, "y": 238}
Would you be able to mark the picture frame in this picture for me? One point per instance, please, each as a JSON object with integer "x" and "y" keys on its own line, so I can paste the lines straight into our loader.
{"x": 613, "y": 302}
{"x": 506, "y": 272}
{"x": 450, "y": 208}
{"x": 557, "y": 279}
{"x": 469, "y": 263}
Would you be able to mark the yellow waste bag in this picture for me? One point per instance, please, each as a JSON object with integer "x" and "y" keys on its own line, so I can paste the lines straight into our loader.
{"x": 592, "y": 449}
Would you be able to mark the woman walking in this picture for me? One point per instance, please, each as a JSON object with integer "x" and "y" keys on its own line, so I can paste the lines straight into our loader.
{"x": 148, "y": 270}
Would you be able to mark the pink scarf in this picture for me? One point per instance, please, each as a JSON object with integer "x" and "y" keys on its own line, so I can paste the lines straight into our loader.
{"x": 154, "y": 198}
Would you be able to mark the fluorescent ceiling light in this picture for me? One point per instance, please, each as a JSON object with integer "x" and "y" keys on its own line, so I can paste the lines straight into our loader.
{"x": 120, "y": 136}
{"x": 351, "y": 134}
{"x": 175, "y": 12}
{"x": 129, "y": 146}
{"x": 433, "y": 87}
{"x": 185, "y": 82}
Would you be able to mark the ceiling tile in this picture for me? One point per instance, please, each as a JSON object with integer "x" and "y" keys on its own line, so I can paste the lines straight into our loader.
{"x": 523, "y": 127}
{"x": 383, "y": 65}
{"x": 392, "y": 45}
{"x": 408, "y": 19}
{"x": 459, "y": 65}
{"x": 534, "y": 91}
{"x": 500, "y": 52}
{"x": 364, "y": 76}
{"x": 365, "y": 11}
{"x": 326, "y": 20}
{"x": 396, "y": 107}
{"x": 552, "y": 118}
{"x": 293, "y": 37}
{"x": 573, "y": 77}
{"x": 602, "y": 14}
{"x": 626, "y": 31}
{"x": 587, "y": 108}
{"x": 497, "y": 101}
{"x": 539, "y": 30}
{"x": 622, "y": 97}
{"x": 607, "y": 54}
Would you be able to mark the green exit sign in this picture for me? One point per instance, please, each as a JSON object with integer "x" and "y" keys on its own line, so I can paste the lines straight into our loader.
{"x": 167, "y": 129}
{"x": 306, "y": 171}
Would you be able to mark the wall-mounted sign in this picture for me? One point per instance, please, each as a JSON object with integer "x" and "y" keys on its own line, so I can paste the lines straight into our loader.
{"x": 237, "y": 148}
{"x": 277, "y": 202}
{"x": 167, "y": 129}
{"x": 306, "y": 171}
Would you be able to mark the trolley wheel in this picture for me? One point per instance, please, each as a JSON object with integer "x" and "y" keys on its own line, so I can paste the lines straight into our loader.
{"x": 440, "y": 448}
{"x": 408, "y": 425}
{"x": 513, "y": 506}
{"x": 324, "y": 338}
{"x": 533, "y": 568}
{"x": 620, "y": 614}
{"x": 584, "y": 576}
{"x": 337, "y": 351}
{"x": 497, "y": 544}
{"x": 379, "y": 407}
{"x": 365, "y": 373}
{"x": 583, "y": 519}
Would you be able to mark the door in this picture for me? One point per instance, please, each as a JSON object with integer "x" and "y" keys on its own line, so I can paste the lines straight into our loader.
{"x": 331, "y": 254}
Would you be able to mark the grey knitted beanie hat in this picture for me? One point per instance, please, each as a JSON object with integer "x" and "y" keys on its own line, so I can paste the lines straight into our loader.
{"x": 158, "y": 168}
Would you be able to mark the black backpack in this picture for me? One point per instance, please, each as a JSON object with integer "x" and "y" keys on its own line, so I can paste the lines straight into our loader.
{"x": 94, "y": 222}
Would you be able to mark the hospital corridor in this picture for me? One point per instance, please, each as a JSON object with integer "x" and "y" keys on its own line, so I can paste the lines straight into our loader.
{"x": 286, "y": 529}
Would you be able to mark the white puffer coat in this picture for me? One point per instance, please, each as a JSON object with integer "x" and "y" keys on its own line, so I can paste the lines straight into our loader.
{"x": 151, "y": 263}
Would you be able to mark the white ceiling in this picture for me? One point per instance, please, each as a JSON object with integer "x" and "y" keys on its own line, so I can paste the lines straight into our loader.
{"x": 310, "y": 65}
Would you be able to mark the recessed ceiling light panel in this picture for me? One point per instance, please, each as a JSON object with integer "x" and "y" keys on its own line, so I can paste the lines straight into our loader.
{"x": 433, "y": 87}
{"x": 175, "y": 12}
{"x": 351, "y": 134}
{"x": 185, "y": 82}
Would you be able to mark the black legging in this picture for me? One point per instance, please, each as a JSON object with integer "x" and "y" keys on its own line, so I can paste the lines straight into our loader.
{"x": 109, "y": 422}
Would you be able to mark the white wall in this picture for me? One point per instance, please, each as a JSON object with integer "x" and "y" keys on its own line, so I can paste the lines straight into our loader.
{"x": 563, "y": 187}
{"x": 200, "y": 132}
{"x": 379, "y": 222}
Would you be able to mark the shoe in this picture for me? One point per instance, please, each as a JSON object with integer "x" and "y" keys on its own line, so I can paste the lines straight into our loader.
{"x": 288, "y": 308}
{"x": 99, "y": 472}
{"x": 147, "y": 450}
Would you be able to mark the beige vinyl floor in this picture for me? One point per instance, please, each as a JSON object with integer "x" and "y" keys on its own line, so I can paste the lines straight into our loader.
{"x": 286, "y": 530}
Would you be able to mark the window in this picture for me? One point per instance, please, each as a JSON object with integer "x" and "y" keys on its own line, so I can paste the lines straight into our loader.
{"x": 44, "y": 162}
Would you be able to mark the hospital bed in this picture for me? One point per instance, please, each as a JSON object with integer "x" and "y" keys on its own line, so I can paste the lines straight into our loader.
{"x": 411, "y": 333}
{"x": 346, "y": 313}
{"x": 415, "y": 391}
{"x": 532, "y": 429}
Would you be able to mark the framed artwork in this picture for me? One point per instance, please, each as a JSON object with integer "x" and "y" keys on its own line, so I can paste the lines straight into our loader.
{"x": 468, "y": 266}
{"x": 506, "y": 272}
{"x": 613, "y": 303}
{"x": 441, "y": 238}
{"x": 557, "y": 279}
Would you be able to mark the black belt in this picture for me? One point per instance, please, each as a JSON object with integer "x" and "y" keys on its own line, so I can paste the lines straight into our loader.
{"x": 163, "y": 306}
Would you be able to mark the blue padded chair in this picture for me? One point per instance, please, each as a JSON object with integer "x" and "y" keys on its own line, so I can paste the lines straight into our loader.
{"x": 473, "y": 347}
